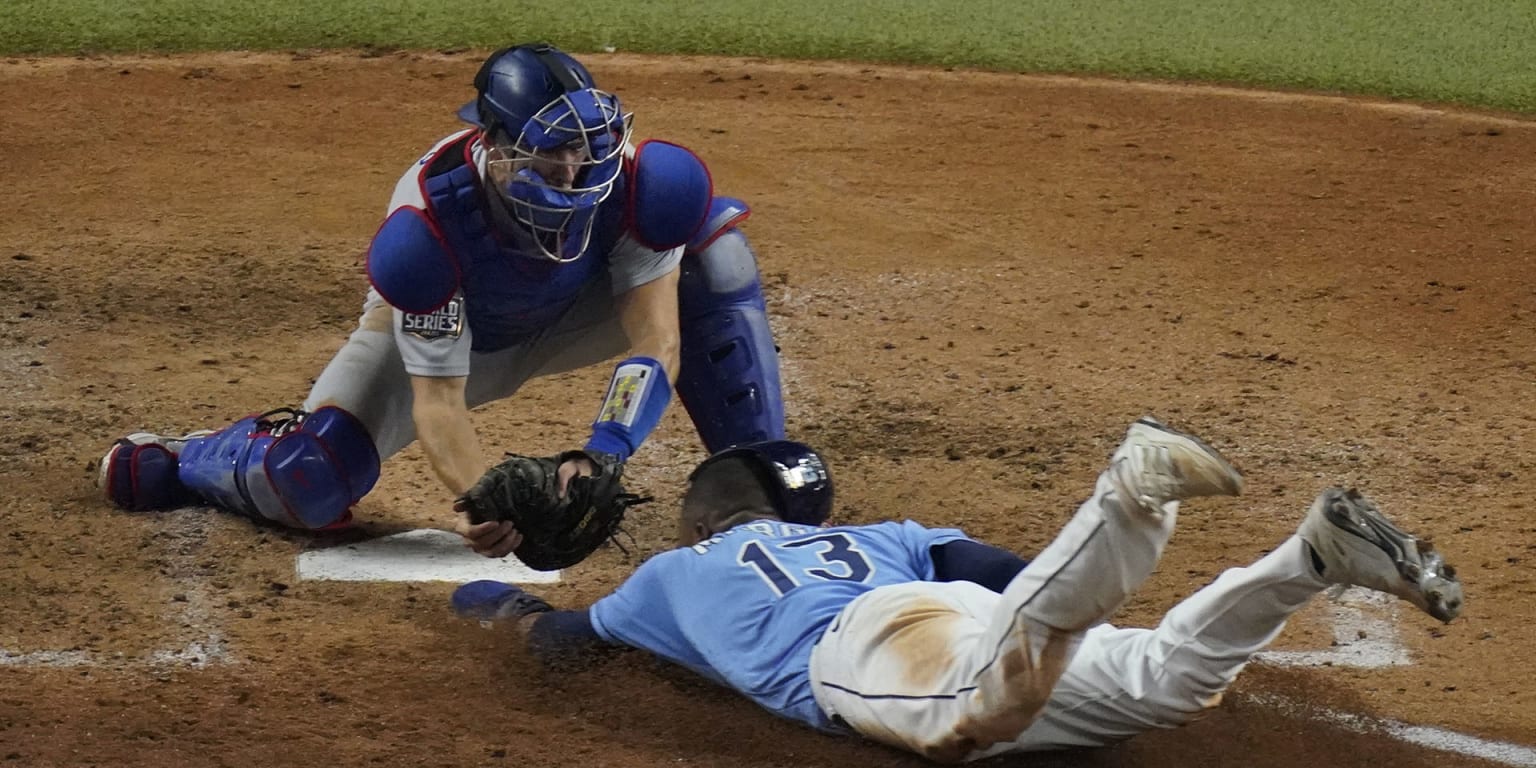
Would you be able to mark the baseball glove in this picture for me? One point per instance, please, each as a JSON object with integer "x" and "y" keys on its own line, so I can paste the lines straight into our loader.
{"x": 557, "y": 532}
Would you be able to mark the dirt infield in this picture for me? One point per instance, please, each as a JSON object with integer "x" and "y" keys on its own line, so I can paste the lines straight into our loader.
{"x": 977, "y": 280}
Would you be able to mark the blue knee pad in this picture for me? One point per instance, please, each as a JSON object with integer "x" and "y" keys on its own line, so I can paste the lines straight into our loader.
{"x": 729, "y": 376}
{"x": 302, "y": 470}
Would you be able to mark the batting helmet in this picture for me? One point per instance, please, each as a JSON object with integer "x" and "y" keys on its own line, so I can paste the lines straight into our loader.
{"x": 554, "y": 143}
{"x": 794, "y": 475}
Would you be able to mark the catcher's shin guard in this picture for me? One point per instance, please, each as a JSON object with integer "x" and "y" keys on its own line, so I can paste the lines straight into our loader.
{"x": 302, "y": 470}
{"x": 729, "y": 374}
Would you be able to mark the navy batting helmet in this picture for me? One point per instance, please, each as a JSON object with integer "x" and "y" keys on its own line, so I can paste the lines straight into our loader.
{"x": 795, "y": 476}
{"x": 553, "y": 142}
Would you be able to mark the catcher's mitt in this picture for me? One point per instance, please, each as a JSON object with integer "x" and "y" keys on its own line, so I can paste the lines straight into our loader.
{"x": 557, "y": 532}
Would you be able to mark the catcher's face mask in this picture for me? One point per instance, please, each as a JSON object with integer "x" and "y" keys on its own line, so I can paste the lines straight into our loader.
{"x": 564, "y": 162}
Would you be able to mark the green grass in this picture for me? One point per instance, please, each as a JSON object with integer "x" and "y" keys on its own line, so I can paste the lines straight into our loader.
{"x": 1476, "y": 52}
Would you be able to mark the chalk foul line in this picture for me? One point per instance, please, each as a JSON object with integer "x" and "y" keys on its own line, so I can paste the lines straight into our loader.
{"x": 1439, "y": 739}
{"x": 193, "y": 609}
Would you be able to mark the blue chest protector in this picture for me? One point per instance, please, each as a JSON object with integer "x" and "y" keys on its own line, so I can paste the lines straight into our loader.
{"x": 729, "y": 378}
{"x": 419, "y": 258}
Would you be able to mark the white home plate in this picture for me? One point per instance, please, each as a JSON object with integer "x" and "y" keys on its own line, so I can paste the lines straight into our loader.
{"x": 426, "y": 554}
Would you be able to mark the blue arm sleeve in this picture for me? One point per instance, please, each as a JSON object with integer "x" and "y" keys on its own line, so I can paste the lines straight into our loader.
{"x": 637, "y": 397}
{"x": 559, "y": 634}
{"x": 967, "y": 560}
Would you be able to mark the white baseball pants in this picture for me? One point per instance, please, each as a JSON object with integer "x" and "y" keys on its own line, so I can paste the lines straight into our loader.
{"x": 954, "y": 671}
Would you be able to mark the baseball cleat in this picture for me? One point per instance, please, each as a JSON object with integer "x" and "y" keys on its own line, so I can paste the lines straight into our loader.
{"x": 1156, "y": 465}
{"x": 1357, "y": 546}
{"x": 139, "y": 471}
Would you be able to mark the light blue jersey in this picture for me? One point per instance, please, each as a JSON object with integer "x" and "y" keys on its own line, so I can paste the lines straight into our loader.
{"x": 744, "y": 608}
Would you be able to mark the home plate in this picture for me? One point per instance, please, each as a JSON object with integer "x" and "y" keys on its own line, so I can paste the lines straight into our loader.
{"x": 425, "y": 554}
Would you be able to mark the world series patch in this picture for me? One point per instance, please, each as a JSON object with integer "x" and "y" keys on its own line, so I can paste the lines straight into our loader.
{"x": 446, "y": 322}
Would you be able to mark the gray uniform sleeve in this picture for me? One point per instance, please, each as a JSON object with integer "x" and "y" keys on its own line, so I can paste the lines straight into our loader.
{"x": 631, "y": 264}
{"x": 435, "y": 344}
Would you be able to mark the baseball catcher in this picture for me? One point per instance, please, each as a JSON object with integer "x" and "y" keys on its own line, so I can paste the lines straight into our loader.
{"x": 539, "y": 240}
{"x": 558, "y": 529}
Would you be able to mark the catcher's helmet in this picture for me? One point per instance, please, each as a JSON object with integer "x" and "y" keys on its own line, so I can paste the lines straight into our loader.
{"x": 554, "y": 143}
{"x": 795, "y": 476}
{"x": 517, "y": 81}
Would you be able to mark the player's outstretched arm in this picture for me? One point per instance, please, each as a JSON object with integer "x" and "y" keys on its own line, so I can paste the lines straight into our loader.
{"x": 559, "y": 636}
{"x": 453, "y": 449}
{"x": 641, "y": 386}
{"x": 446, "y": 433}
{"x": 648, "y": 314}
{"x": 551, "y": 636}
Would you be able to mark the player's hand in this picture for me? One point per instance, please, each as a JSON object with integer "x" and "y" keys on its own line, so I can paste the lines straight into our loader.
{"x": 560, "y": 515}
{"x": 579, "y": 466}
{"x": 494, "y": 538}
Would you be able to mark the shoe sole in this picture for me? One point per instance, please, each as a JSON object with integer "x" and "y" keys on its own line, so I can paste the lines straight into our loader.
{"x": 1430, "y": 582}
{"x": 1225, "y": 479}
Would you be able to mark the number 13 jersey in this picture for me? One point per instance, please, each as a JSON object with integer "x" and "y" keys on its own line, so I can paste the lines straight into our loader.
{"x": 745, "y": 607}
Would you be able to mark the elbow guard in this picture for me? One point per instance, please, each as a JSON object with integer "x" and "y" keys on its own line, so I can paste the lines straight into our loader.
{"x": 637, "y": 397}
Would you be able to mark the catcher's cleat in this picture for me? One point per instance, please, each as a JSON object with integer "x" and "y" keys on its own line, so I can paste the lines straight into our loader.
{"x": 1356, "y": 545}
{"x": 139, "y": 472}
{"x": 1156, "y": 465}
